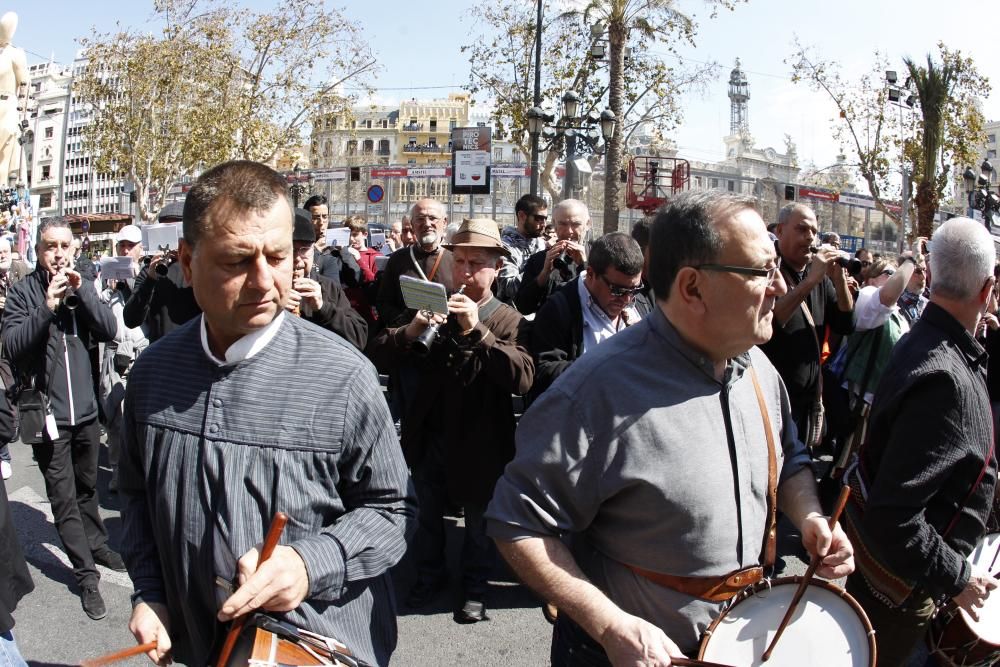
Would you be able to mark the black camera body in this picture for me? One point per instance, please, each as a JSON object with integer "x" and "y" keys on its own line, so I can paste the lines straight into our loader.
{"x": 169, "y": 257}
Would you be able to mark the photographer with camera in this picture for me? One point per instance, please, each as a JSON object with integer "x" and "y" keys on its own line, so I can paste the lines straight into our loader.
{"x": 160, "y": 300}
{"x": 458, "y": 432}
{"x": 548, "y": 270}
{"x": 120, "y": 353}
{"x": 47, "y": 337}
{"x": 817, "y": 295}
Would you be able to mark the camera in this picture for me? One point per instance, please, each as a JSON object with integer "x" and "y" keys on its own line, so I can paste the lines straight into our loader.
{"x": 422, "y": 344}
{"x": 844, "y": 260}
{"x": 562, "y": 262}
{"x": 169, "y": 257}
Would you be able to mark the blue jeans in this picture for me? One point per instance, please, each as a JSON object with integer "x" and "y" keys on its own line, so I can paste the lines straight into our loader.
{"x": 9, "y": 655}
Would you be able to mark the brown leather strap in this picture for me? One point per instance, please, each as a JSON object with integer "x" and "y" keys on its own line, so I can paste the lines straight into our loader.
{"x": 769, "y": 554}
{"x": 715, "y": 589}
{"x": 720, "y": 589}
{"x": 437, "y": 263}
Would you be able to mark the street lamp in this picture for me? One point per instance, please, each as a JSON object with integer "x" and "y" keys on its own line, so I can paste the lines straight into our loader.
{"x": 571, "y": 128}
{"x": 297, "y": 189}
{"x": 902, "y": 96}
{"x": 981, "y": 198}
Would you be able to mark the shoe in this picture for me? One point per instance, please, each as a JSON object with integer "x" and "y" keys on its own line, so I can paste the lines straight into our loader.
{"x": 110, "y": 559}
{"x": 93, "y": 603}
{"x": 472, "y": 611}
{"x": 423, "y": 592}
{"x": 6, "y": 470}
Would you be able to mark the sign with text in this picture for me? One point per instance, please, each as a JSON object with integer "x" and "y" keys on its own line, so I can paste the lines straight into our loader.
{"x": 511, "y": 171}
{"x": 388, "y": 172}
{"x": 330, "y": 175}
{"x": 421, "y": 172}
{"x": 470, "y": 160}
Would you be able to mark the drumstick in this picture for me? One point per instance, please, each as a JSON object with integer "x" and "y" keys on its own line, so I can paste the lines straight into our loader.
{"x": 845, "y": 492}
{"x": 119, "y": 655}
{"x": 688, "y": 662}
{"x": 270, "y": 542}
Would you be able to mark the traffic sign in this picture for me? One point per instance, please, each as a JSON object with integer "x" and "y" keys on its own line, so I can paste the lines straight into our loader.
{"x": 375, "y": 193}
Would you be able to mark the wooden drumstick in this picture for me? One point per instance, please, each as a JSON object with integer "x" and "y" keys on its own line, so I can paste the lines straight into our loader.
{"x": 119, "y": 655}
{"x": 814, "y": 563}
{"x": 270, "y": 542}
{"x": 688, "y": 662}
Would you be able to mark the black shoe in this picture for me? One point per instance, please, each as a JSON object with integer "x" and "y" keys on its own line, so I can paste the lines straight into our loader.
{"x": 472, "y": 611}
{"x": 110, "y": 559}
{"x": 93, "y": 603}
{"x": 423, "y": 592}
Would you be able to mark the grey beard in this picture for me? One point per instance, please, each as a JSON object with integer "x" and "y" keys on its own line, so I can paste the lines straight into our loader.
{"x": 429, "y": 239}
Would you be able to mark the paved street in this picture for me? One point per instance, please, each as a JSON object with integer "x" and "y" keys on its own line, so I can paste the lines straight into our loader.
{"x": 53, "y": 630}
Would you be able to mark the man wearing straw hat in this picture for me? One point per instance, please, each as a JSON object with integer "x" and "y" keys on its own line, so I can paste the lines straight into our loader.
{"x": 458, "y": 432}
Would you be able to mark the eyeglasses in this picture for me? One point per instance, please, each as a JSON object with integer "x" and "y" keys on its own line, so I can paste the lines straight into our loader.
{"x": 743, "y": 270}
{"x": 427, "y": 218}
{"x": 619, "y": 291}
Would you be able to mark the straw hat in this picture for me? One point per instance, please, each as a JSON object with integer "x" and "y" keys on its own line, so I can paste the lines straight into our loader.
{"x": 478, "y": 233}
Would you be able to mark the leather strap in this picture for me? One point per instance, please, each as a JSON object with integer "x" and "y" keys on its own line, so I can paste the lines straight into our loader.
{"x": 714, "y": 589}
{"x": 437, "y": 263}
{"x": 722, "y": 588}
{"x": 771, "y": 535}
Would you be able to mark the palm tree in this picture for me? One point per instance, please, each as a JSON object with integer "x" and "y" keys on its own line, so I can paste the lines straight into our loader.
{"x": 648, "y": 19}
{"x": 934, "y": 87}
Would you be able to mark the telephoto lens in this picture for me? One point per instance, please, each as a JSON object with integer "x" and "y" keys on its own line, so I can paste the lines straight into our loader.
{"x": 71, "y": 300}
{"x": 561, "y": 263}
{"x": 421, "y": 345}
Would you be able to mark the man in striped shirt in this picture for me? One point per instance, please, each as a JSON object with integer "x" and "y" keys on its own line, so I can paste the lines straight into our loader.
{"x": 224, "y": 426}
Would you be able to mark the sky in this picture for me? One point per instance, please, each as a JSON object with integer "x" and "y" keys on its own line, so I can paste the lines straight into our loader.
{"x": 418, "y": 47}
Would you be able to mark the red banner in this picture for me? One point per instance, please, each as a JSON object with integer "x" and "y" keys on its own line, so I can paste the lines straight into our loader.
{"x": 388, "y": 172}
{"x": 818, "y": 194}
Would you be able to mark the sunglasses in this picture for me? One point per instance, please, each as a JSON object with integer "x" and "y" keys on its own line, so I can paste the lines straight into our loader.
{"x": 619, "y": 291}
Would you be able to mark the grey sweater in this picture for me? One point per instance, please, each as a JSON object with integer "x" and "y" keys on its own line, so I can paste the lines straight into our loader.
{"x": 210, "y": 453}
{"x": 639, "y": 453}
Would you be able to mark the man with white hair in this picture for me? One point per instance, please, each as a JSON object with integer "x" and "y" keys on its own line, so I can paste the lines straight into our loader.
{"x": 924, "y": 482}
{"x": 548, "y": 270}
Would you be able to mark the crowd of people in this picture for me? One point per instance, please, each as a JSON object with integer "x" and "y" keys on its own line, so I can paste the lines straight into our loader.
{"x": 683, "y": 387}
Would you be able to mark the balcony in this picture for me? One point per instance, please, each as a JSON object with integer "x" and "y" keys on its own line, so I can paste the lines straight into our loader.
{"x": 426, "y": 148}
{"x": 413, "y": 127}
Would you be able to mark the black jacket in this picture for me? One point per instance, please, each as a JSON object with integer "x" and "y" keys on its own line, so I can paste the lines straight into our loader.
{"x": 929, "y": 436}
{"x": 556, "y": 335}
{"x": 530, "y": 296}
{"x": 338, "y": 265}
{"x": 336, "y": 315}
{"x": 51, "y": 348}
{"x": 160, "y": 303}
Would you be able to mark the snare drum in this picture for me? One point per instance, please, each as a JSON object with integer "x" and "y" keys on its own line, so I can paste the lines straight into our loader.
{"x": 829, "y": 628}
{"x": 958, "y": 641}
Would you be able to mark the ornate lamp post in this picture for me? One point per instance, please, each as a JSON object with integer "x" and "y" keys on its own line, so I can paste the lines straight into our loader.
{"x": 572, "y": 128}
{"x": 981, "y": 197}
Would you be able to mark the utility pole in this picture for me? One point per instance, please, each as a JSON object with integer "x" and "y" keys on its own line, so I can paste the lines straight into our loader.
{"x": 537, "y": 103}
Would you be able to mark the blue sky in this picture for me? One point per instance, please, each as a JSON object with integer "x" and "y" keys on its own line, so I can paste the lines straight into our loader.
{"x": 418, "y": 47}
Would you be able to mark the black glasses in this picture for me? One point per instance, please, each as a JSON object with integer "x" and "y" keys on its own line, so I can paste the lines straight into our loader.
{"x": 620, "y": 290}
{"x": 743, "y": 270}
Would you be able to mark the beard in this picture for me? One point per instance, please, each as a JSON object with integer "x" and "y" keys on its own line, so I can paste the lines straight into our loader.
{"x": 5, "y": 264}
{"x": 429, "y": 238}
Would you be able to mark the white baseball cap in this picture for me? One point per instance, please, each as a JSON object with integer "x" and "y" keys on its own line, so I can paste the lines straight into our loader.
{"x": 129, "y": 233}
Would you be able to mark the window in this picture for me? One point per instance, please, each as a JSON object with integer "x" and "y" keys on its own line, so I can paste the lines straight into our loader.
{"x": 45, "y": 172}
{"x": 352, "y": 147}
{"x": 731, "y": 186}
{"x": 991, "y": 154}
{"x": 991, "y": 139}
{"x": 715, "y": 183}
{"x": 434, "y": 125}
{"x": 385, "y": 124}
{"x": 368, "y": 147}
{"x": 452, "y": 124}
{"x": 432, "y": 142}
{"x": 383, "y": 147}
{"x": 48, "y": 133}
{"x": 498, "y": 155}
{"x": 45, "y": 200}
{"x": 368, "y": 124}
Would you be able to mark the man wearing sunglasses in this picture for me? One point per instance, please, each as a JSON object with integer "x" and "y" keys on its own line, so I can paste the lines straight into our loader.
{"x": 589, "y": 309}
{"x": 521, "y": 242}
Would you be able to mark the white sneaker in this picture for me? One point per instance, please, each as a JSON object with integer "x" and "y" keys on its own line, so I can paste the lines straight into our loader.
{"x": 6, "y": 469}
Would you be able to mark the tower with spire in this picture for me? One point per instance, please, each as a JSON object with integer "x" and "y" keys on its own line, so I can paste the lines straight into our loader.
{"x": 739, "y": 95}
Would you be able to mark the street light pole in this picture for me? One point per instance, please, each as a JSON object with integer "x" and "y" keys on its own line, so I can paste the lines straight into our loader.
{"x": 569, "y": 177}
{"x": 537, "y": 101}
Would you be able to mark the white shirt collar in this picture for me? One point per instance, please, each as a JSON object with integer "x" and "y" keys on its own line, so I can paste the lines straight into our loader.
{"x": 245, "y": 347}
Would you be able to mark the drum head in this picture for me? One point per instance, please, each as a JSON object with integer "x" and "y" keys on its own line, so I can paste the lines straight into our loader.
{"x": 826, "y": 630}
{"x": 986, "y": 556}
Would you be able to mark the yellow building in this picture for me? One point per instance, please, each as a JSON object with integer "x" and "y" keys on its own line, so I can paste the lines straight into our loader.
{"x": 424, "y": 129}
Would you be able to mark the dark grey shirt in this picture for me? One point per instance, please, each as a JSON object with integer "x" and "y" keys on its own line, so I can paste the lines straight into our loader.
{"x": 210, "y": 453}
{"x": 650, "y": 462}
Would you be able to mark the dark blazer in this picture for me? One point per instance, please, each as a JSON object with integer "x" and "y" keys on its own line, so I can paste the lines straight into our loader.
{"x": 556, "y": 335}
{"x": 336, "y": 315}
{"x": 530, "y": 296}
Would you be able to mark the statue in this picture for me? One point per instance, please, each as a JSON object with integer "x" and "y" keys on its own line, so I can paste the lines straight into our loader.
{"x": 13, "y": 78}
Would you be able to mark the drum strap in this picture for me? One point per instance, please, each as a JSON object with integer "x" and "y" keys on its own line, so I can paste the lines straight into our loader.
{"x": 720, "y": 589}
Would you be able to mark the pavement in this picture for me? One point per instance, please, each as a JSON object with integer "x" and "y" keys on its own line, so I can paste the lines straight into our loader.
{"x": 53, "y": 630}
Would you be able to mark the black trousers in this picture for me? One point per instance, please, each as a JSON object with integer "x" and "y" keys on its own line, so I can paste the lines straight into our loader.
{"x": 69, "y": 467}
